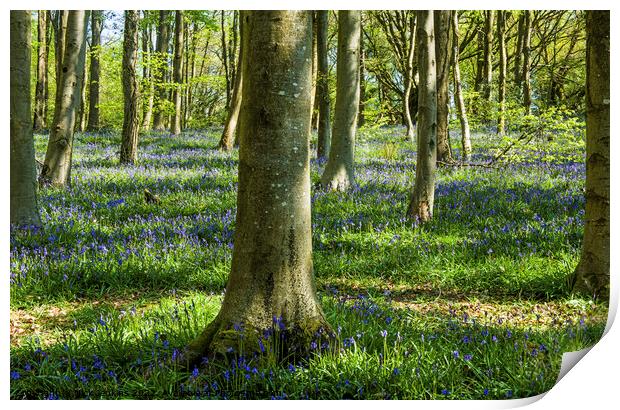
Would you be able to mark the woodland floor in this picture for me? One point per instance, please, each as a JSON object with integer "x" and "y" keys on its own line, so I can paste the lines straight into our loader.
{"x": 474, "y": 304}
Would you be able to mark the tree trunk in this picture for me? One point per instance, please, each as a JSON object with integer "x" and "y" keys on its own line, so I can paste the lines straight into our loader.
{"x": 57, "y": 166}
{"x": 324, "y": 133}
{"x": 80, "y": 122}
{"x": 228, "y": 135}
{"x": 61, "y": 36}
{"x": 177, "y": 73}
{"x": 39, "y": 120}
{"x": 487, "y": 80}
{"x": 48, "y": 41}
{"x": 131, "y": 128}
{"x": 409, "y": 81}
{"x": 592, "y": 272}
{"x": 423, "y": 195}
{"x": 313, "y": 101}
{"x": 225, "y": 61}
{"x": 163, "y": 38}
{"x": 501, "y": 37}
{"x": 518, "y": 68}
{"x": 95, "y": 70}
{"x": 147, "y": 77}
{"x": 527, "y": 91}
{"x": 24, "y": 209}
{"x": 271, "y": 283}
{"x": 361, "y": 120}
{"x": 339, "y": 172}
{"x": 458, "y": 91}
{"x": 443, "y": 37}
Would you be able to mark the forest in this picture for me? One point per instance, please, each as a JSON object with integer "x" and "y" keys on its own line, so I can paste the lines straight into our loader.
{"x": 348, "y": 204}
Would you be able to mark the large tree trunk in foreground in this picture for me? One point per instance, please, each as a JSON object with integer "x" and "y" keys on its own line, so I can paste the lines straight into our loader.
{"x": 458, "y": 91}
{"x": 527, "y": 90}
{"x": 442, "y": 53}
{"x": 501, "y": 37}
{"x": 39, "y": 120}
{"x": 159, "y": 76}
{"x": 592, "y": 272}
{"x": 24, "y": 209}
{"x": 422, "y": 198}
{"x": 177, "y": 72}
{"x": 95, "y": 70}
{"x": 339, "y": 173}
{"x": 57, "y": 166}
{"x": 227, "y": 138}
{"x": 322, "y": 90}
{"x": 271, "y": 274}
{"x": 131, "y": 128}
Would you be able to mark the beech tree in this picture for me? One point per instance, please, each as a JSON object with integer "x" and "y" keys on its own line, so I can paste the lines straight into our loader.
{"x": 322, "y": 90}
{"x": 177, "y": 72}
{"x": 95, "y": 70}
{"x": 24, "y": 209}
{"x": 339, "y": 172}
{"x": 56, "y": 169}
{"x": 271, "y": 274}
{"x": 423, "y": 195}
{"x": 592, "y": 272}
{"x": 443, "y": 37}
{"x": 525, "y": 76}
{"x": 40, "y": 120}
{"x": 160, "y": 69}
{"x": 501, "y": 37}
{"x": 458, "y": 90}
{"x": 131, "y": 127}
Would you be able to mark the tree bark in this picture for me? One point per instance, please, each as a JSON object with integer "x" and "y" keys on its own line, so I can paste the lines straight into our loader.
{"x": 147, "y": 76}
{"x": 57, "y": 166}
{"x": 409, "y": 81}
{"x": 228, "y": 135}
{"x": 443, "y": 37}
{"x": 423, "y": 195}
{"x": 131, "y": 128}
{"x": 48, "y": 41}
{"x": 361, "y": 119}
{"x": 163, "y": 38}
{"x": 592, "y": 272}
{"x": 225, "y": 60}
{"x": 527, "y": 91}
{"x": 24, "y": 208}
{"x": 458, "y": 91}
{"x": 61, "y": 34}
{"x": 501, "y": 37}
{"x": 324, "y": 133}
{"x": 339, "y": 172}
{"x": 518, "y": 68}
{"x": 39, "y": 120}
{"x": 177, "y": 72}
{"x": 80, "y": 122}
{"x": 271, "y": 278}
{"x": 487, "y": 80}
{"x": 315, "y": 57}
{"x": 95, "y": 70}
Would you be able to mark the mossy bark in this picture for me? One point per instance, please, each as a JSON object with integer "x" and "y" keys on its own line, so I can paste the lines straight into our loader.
{"x": 39, "y": 120}
{"x": 442, "y": 54}
{"x": 131, "y": 127}
{"x": 592, "y": 272}
{"x": 324, "y": 133}
{"x": 272, "y": 273}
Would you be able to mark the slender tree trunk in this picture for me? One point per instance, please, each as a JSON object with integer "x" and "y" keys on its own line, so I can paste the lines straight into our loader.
{"x": 57, "y": 166}
{"x": 163, "y": 38}
{"x": 131, "y": 127}
{"x": 61, "y": 35}
{"x": 177, "y": 73}
{"x": 228, "y": 135}
{"x": 339, "y": 172}
{"x": 40, "y": 101}
{"x": 361, "y": 120}
{"x": 24, "y": 208}
{"x": 80, "y": 122}
{"x": 423, "y": 195}
{"x": 409, "y": 81}
{"x": 147, "y": 77}
{"x": 518, "y": 67}
{"x": 271, "y": 283}
{"x": 487, "y": 81}
{"x": 458, "y": 91}
{"x": 95, "y": 70}
{"x": 49, "y": 34}
{"x": 225, "y": 60}
{"x": 527, "y": 91}
{"x": 443, "y": 37}
{"x": 592, "y": 272}
{"x": 315, "y": 57}
{"x": 501, "y": 36}
{"x": 324, "y": 134}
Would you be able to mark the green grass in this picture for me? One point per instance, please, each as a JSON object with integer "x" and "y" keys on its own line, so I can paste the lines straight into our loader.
{"x": 104, "y": 295}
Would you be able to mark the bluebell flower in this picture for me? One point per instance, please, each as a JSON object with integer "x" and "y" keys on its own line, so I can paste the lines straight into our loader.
{"x": 467, "y": 357}
{"x": 383, "y": 333}
{"x": 445, "y": 392}
{"x": 455, "y": 354}
{"x": 15, "y": 375}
